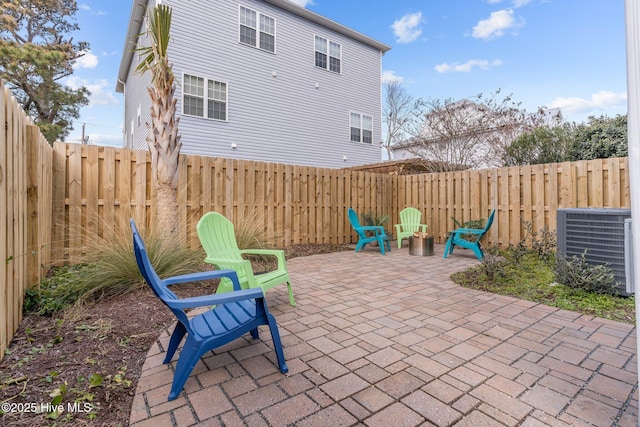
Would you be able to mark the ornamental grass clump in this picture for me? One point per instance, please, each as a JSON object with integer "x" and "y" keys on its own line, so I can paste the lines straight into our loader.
{"x": 250, "y": 231}
{"x": 112, "y": 269}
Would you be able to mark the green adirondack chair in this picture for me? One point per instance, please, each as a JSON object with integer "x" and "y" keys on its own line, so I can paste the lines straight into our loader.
{"x": 409, "y": 224}
{"x": 217, "y": 236}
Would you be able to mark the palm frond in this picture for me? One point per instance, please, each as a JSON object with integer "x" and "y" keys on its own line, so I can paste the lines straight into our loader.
{"x": 154, "y": 57}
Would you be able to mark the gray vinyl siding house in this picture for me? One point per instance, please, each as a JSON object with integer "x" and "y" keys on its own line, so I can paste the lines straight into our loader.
{"x": 262, "y": 80}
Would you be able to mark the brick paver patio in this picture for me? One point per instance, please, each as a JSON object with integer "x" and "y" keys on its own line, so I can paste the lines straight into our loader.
{"x": 391, "y": 341}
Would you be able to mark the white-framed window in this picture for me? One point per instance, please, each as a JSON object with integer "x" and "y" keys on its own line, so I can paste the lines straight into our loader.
{"x": 257, "y": 30}
{"x": 328, "y": 54}
{"x": 204, "y": 97}
{"x": 361, "y": 128}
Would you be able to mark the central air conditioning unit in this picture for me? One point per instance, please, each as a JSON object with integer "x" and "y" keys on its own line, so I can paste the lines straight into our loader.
{"x": 601, "y": 232}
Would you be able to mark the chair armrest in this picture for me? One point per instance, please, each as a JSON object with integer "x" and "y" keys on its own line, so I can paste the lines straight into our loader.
{"x": 216, "y": 299}
{"x": 200, "y": 275}
{"x": 469, "y": 230}
{"x": 274, "y": 252}
{"x": 376, "y": 228}
{"x": 204, "y": 275}
{"x": 371, "y": 227}
{"x": 278, "y": 253}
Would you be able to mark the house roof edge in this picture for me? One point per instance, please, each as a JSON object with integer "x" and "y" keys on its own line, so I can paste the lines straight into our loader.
{"x": 139, "y": 7}
{"x": 326, "y": 22}
{"x": 136, "y": 18}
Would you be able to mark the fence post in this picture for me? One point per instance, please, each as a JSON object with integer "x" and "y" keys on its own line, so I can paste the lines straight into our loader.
{"x": 34, "y": 254}
{"x": 58, "y": 200}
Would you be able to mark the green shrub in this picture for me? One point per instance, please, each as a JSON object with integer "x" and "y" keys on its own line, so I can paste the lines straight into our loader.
{"x": 473, "y": 223}
{"x": 54, "y": 292}
{"x": 575, "y": 272}
{"x": 541, "y": 242}
{"x": 493, "y": 263}
{"x": 371, "y": 219}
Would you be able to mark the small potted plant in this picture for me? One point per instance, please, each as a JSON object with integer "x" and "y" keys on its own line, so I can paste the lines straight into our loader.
{"x": 370, "y": 219}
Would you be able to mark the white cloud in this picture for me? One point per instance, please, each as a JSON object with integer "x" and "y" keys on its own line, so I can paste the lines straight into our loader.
{"x": 520, "y": 3}
{"x": 87, "y": 8}
{"x": 496, "y": 25}
{"x": 516, "y": 3}
{"x": 87, "y": 60}
{"x": 468, "y": 66}
{"x": 598, "y": 102}
{"x": 390, "y": 76}
{"x": 302, "y": 3}
{"x": 407, "y": 28}
{"x": 100, "y": 95}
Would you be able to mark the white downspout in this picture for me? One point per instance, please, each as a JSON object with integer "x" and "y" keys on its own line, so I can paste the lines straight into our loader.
{"x": 632, "y": 19}
{"x": 125, "y": 143}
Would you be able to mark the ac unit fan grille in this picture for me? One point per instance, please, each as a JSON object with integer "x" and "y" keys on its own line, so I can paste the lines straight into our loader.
{"x": 598, "y": 231}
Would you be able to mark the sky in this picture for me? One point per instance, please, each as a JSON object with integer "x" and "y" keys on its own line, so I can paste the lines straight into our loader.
{"x": 567, "y": 54}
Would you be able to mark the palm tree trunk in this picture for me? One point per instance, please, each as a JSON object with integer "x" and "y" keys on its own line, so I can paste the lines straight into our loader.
{"x": 164, "y": 144}
{"x": 163, "y": 139}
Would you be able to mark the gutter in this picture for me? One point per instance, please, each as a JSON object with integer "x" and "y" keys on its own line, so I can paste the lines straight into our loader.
{"x": 328, "y": 23}
{"x": 136, "y": 19}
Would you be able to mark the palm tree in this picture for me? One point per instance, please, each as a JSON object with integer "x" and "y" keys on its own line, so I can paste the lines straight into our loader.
{"x": 163, "y": 139}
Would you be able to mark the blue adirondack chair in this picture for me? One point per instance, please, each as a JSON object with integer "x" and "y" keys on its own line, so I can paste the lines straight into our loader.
{"x": 235, "y": 314}
{"x": 468, "y": 238}
{"x": 379, "y": 234}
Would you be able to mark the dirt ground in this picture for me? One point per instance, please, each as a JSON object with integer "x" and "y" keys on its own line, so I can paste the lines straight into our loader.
{"x": 81, "y": 367}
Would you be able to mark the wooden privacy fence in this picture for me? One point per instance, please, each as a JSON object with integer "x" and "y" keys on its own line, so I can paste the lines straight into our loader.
{"x": 25, "y": 206}
{"x": 519, "y": 194}
{"x": 97, "y": 188}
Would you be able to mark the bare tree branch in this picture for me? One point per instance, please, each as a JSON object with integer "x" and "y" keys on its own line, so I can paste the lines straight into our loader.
{"x": 399, "y": 115}
{"x": 468, "y": 133}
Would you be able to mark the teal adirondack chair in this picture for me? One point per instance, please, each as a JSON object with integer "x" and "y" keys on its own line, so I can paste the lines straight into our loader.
{"x": 217, "y": 236}
{"x": 409, "y": 224}
{"x": 472, "y": 240}
{"x": 378, "y": 233}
